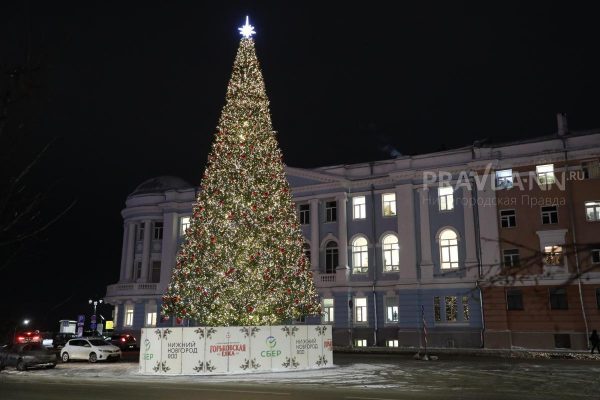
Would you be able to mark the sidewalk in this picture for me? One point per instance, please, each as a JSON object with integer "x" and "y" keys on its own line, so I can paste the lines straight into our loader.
{"x": 566, "y": 354}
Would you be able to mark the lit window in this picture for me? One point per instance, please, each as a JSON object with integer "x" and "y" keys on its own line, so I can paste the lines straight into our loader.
{"x": 592, "y": 210}
{"x": 151, "y": 319}
{"x": 158, "y": 230}
{"x": 140, "y": 231}
{"x": 328, "y": 310}
{"x": 391, "y": 253}
{"x": 466, "y": 310}
{"x": 446, "y": 198}
{"x": 448, "y": 249}
{"x": 508, "y": 218}
{"x": 392, "y": 343}
{"x": 558, "y": 299}
{"x": 511, "y": 258}
{"x": 184, "y": 223}
{"x": 128, "y": 315}
{"x": 391, "y": 309}
{"x": 330, "y": 211}
{"x": 550, "y": 215}
{"x": 360, "y": 309}
{"x": 545, "y": 174}
{"x": 437, "y": 309}
{"x": 360, "y": 342}
{"x": 360, "y": 255}
{"x": 514, "y": 299}
{"x": 553, "y": 255}
{"x": 389, "y": 204}
{"x": 331, "y": 257}
{"x": 304, "y": 210}
{"x": 451, "y": 308}
{"x": 359, "y": 208}
{"x": 596, "y": 256}
{"x": 504, "y": 179}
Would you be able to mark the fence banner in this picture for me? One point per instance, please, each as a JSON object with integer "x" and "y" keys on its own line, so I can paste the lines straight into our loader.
{"x": 241, "y": 349}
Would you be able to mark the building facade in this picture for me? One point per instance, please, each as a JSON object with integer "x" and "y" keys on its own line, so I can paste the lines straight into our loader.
{"x": 547, "y": 294}
{"x": 406, "y": 245}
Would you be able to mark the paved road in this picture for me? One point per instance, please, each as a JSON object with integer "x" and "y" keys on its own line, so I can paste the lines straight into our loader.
{"x": 356, "y": 377}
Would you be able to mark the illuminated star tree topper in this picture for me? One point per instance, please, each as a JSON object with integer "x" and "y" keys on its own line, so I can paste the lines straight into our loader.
{"x": 247, "y": 30}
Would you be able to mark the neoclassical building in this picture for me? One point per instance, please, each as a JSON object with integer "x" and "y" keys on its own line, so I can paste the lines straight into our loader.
{"x": 431, "y": 242}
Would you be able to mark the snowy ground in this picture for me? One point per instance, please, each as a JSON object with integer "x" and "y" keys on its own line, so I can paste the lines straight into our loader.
{"x": 391, "y": 373}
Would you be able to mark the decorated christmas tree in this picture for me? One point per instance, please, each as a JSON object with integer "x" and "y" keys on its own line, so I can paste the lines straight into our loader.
{"x": 242, "y": 261}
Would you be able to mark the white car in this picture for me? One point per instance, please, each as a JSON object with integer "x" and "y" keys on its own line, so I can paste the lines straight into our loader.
{"x": 92, "y": 349}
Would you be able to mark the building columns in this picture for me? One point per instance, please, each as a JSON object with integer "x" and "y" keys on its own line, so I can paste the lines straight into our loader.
{"x": 426, "y": 264}
{"x": 169, "y": 249}
{"x": 146, "y": 250}
{"x": 405, "y": 212}
{"x": 342, "y": 231}
{"x": 314, "y": 234}
{"x": 130, "y": 251}
{"x": 123, "y": 271}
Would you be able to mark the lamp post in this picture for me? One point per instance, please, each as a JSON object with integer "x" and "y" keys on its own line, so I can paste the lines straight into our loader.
{"x": 24, "y": 322}
{"x": 95, "y": 303}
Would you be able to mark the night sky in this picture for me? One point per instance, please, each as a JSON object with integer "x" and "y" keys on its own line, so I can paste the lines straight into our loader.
{"x": 127, "y": 91}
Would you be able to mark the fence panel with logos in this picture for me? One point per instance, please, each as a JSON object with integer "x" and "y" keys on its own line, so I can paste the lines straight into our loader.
{"x": 235, "y": 349}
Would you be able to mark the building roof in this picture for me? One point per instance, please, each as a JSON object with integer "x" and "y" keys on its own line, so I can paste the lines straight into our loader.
{"x": 160, "y": 184}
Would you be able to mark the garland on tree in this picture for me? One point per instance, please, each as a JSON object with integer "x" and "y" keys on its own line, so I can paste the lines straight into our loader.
{"x": 242, "y": 261}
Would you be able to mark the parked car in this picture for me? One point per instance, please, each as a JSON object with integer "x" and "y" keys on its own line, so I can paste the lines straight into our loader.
{"x": 61, "y": 339}
{"x": 92, "y": 349}
{"x": 27, "y": 355}
{"x": 124, "y": 341}
{"x": 27, "y": 336}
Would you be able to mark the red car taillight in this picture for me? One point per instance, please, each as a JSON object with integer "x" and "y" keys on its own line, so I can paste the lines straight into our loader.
{"x": 20, "y": 339}
{"x": 122, "y": 339}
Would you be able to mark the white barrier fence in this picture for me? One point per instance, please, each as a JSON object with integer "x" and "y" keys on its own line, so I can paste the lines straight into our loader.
{"x": 235, "y": 349}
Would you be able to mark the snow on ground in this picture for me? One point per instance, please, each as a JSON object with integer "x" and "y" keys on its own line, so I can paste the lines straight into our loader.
{"x": 475, "y": 375}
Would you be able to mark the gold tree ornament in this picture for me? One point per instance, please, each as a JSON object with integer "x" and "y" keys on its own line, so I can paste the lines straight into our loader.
{"x": 242, "y": 261}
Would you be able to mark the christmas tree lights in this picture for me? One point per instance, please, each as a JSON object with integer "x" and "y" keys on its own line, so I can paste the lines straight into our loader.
{"x": 242, "y": 261}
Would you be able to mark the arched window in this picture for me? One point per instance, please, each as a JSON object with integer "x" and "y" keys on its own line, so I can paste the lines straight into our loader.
{"x": 360, "y": 255}
{"x": 391, "y": 253}
{"x": 306, "y": 250}
{"x": 331, "y": 257}
{"x": 448, "y": 249}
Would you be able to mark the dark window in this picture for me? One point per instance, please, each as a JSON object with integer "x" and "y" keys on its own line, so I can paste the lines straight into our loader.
{"x": 562, "y": 340}
{"x": 158, "y": 230}
{"x": 140, "y": 231}
{"x": 304, "y": 214}
{"x": 596, "y": 256}
{"x": 155, "y": 272}
{"x": 511, "y": 258}
{"x": 330, "y": 211}
{"x": 138, "y": 270}
{"x": 331, "y": 257}
{"x": 508, "y": 218}
{"x": 437, "y": 309}
{"x": 514, "y": 299}
{"x": 598, "y": 298}
{"x": 549, "y": 215}
{"x": 558, "y": 299}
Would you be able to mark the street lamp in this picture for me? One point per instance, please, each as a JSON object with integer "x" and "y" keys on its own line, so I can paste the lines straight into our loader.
{"x": 24, "y": 322}
{"x": 95, "y": 303}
